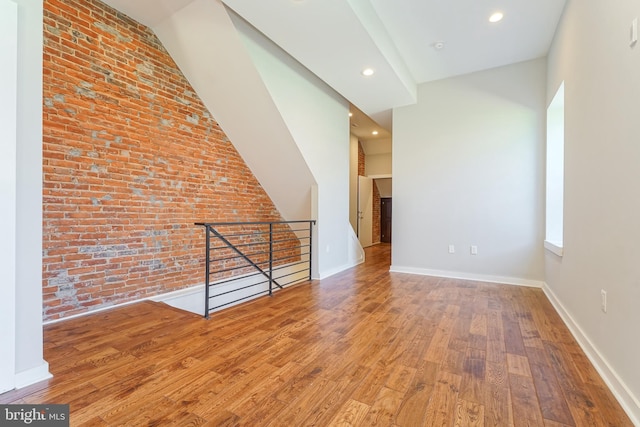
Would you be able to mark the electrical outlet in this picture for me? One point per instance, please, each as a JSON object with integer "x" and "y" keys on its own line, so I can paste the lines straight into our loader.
{"x": 603, "y": 300}
{"x": 474, "y": 250}
{"x": 452, "y": 249}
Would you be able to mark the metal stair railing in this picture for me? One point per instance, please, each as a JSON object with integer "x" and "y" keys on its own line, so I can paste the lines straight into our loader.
{"x": 244, "y": 260}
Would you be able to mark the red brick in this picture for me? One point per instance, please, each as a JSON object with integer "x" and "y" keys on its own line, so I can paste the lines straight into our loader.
{"x": 111, "y": 169}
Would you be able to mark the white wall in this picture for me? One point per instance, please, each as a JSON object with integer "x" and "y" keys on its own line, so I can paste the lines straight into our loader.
{"x": 30, "y": 366}
{"x": 206, "y": 46}
{"x": 318, "y": 120}
{"x": 591, "y": 53}
{"x": 468, "y": 170}
{"x": 8, "y": 120}
{"x": 353, "y": 181}
{"x": 385, "y": 187}
{"x": 378, "y": 164}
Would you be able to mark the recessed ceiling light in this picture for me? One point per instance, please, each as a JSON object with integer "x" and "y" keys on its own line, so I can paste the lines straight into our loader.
{"x": 438, "y": 45}
{"x": 375, "y": 132}
{"x": 368, "y": 72}
{"x": 496, "y": 17}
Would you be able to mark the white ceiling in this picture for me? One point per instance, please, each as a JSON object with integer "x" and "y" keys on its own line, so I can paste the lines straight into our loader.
{"x": 148, "y": 12}
{"x": 336, "y": 39}
{"x": 471, "y": 43}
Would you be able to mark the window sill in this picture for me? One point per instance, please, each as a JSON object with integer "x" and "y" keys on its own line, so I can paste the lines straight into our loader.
{"x": 554, "y": 247}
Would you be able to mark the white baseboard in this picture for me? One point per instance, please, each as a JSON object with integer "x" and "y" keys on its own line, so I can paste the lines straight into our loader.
{"x": 33, "y": 375}
{"x": 192, "y": 298}
{"x": 340, "y": 269}
{"x": 356, "y": 252}
{"x": 629, "y": 402}
{"x": 189, "y": 299}
{"x": 468, "y": 276}
{"x": 94, "y": 311}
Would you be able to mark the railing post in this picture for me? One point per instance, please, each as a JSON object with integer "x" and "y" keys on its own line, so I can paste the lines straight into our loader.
{"x": 310, "y": 247}
{"x": 206, "y": 273}
{"x": 270, "y": 259}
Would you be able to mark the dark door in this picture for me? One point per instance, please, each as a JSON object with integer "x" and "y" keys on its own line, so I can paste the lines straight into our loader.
{"x": 385, "y": 220}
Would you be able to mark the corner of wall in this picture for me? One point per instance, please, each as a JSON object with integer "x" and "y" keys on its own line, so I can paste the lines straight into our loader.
{"x": 33, "y": 375}
{"x": 29, "y": 338}
{"x": 622, "y": 393}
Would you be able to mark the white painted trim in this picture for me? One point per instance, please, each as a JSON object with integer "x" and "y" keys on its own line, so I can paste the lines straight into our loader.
{"x": 340, "y": 269}
{"x": 8, "y": 190}
{"x": 192, "y": 298}
{"x": 356, "y": 252}
{"x": 468, "y": 276}
{"x": 380, "y": 176}
{"x": 177, "y": 294}
{"x": 189, "y": 299}
{"x": 33, "y": 375}
{"x": 629, "y": 402}
{"x": 554, "y": 247}
{"x": 97, "y": 310}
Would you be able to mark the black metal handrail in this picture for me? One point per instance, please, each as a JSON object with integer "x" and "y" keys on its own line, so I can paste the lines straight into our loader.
{"x": 242, "y": 252}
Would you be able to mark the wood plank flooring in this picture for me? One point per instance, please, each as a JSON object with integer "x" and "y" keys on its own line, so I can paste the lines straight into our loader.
{"x": 364, "y": 347}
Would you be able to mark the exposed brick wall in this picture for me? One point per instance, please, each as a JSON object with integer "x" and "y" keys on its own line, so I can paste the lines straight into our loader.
{"x": 361, "y": 157}
{"x": 132, "y": 159}
{"x": 375, "y": 213}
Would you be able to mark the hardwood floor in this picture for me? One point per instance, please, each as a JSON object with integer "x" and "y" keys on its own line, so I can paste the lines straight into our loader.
{"x": 364, "y": 347}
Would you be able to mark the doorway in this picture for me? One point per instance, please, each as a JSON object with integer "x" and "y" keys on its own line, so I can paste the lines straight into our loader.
{"x": 365, "y": 211}
{"x": 385, "y": 219}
